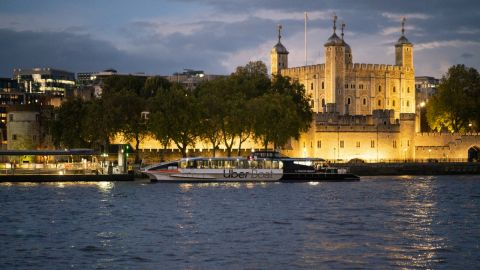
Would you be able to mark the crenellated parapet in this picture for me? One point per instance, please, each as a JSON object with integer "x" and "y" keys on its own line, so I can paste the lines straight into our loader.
{"x": 373, "y": 67}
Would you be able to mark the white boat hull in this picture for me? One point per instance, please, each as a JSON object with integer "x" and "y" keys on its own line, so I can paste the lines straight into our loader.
{"x": 216, "y": 175}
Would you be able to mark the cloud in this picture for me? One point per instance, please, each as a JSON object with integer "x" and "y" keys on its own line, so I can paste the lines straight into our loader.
{"x": 467, "y": 55}
{"x": 446, "y": 43}
{"x": 398, "y": 17}
{"x": 73, "y": 52}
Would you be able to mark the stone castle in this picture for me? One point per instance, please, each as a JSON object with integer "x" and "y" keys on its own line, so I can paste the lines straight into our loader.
{"x": 366, "y": 111}
{"x": 362, "y": 112}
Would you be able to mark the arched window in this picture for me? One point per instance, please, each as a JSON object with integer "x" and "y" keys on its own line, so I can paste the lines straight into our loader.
{"x": 393, "y": 103}
{"x": 311, "y": 86}
{"x": 323, "y": 102}
{"x": 408, "y": 103}
{"x": 408, "y": 89}
{"x": 364, "y": 101}
{"x": 379, "y": 88}
{"x": 348, "y": 101}
{"x": 394, "y": 90}
{"x": 379, "y": 103}
{"x": 323, "y": 85}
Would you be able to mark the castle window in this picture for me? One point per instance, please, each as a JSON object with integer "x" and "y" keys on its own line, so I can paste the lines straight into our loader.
{"x": 323, "y": 85}
{"x": 315, "y": 76}
{"x": 352, "y": 86}
{"x": 348, "y": 101}
{"x": 319, "y": 144}
{"x": 394, "y": 144}
{"x": 360, "y": 86}
{"x": 408, "y": 142}
{"x": 372, "y": 144}
{"x": 342, "y": 144}
{"x": 408, "y": 103}
{"x": 358, "y": 144}
{"x": 14, "y": 137}
{"x": 394, "y": 90}
{"x": 311, "y": 86}
{"x": 346, "y": 86}
{"x": 408, "y": 89}
{"x": 379, "y": 88}
{"x": 379, "y": 102}
{"x": 323, "y": 102}
{"x": 364, "y": 101}
{"x": 393, "y": 103}
{"x": 10, "y": 117}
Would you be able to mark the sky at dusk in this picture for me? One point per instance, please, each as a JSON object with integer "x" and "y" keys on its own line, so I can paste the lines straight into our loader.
{"x": 160, "y": 37}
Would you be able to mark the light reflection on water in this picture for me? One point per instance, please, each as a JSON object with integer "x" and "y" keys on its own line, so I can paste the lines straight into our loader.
{"x": 399, "y": 222}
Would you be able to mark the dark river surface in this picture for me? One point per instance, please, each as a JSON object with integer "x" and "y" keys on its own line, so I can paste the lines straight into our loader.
{"x": 377, "y": 223}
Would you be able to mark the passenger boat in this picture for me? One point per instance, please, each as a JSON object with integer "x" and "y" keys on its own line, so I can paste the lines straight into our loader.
{"x": 306, "y": 169}
{"x": 200, "y": 169}
{"x": 261, "y": 166}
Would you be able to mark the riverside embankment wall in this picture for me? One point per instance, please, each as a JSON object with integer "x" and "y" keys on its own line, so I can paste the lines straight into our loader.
{"x": 444, "y": 168}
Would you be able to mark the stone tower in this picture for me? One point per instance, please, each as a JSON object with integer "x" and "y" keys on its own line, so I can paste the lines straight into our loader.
{"x": 278, "y": 55}
{"x": 404, "y": 50}
{"x": 334, "y": 72}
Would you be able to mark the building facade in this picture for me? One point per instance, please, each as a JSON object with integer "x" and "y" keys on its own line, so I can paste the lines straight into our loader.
{"x": 367, "y": 111}
{"x": 44, "y": 80}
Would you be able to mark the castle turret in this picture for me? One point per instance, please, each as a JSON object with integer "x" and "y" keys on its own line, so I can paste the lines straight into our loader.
{"x": 334, "y": 71}
{"x": 404, "y": 50}
{"x": 278, "y": 55}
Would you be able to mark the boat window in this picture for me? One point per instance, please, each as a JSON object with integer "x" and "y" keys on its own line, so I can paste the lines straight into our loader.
{"x": 228, "y": 164}
{"x": 183, "y": 164}
{"x": 268, "y": 164}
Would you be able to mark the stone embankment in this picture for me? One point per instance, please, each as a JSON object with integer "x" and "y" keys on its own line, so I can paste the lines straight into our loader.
{"x": 443, "y": 168}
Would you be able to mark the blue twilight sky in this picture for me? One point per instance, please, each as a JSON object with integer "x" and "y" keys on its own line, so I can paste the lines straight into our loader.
{"x": 166, "y": 36}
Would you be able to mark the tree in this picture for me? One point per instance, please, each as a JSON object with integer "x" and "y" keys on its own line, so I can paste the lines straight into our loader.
{"x": 174, "y": 115}
{"x": 281, "y": 113}
{"x": 66, "y": 127}
{"x": 126, "y": 108}
{"x": 211, "y": 110}
{"x": 100, "y": 123}
{"x": 456, "y": 103}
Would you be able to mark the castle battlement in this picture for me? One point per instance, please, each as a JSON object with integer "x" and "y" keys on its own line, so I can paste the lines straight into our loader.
{"x": 303, "y": 69}
{"x": 362, "y": 66}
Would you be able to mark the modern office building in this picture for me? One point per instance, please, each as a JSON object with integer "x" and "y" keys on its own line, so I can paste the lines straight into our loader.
{"x": 44, "y": 80}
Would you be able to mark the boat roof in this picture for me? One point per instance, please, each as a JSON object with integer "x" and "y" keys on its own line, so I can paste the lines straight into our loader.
{"x": 302, "y": 159}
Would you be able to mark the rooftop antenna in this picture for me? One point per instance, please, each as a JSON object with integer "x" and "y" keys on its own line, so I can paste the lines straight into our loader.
{"x": 343, "y": 27}
{"x": 279, "y": 32}
{"x": 334, "y": 23}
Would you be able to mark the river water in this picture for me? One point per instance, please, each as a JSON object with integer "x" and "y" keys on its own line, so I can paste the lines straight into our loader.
{"x": 377, "y": 223}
